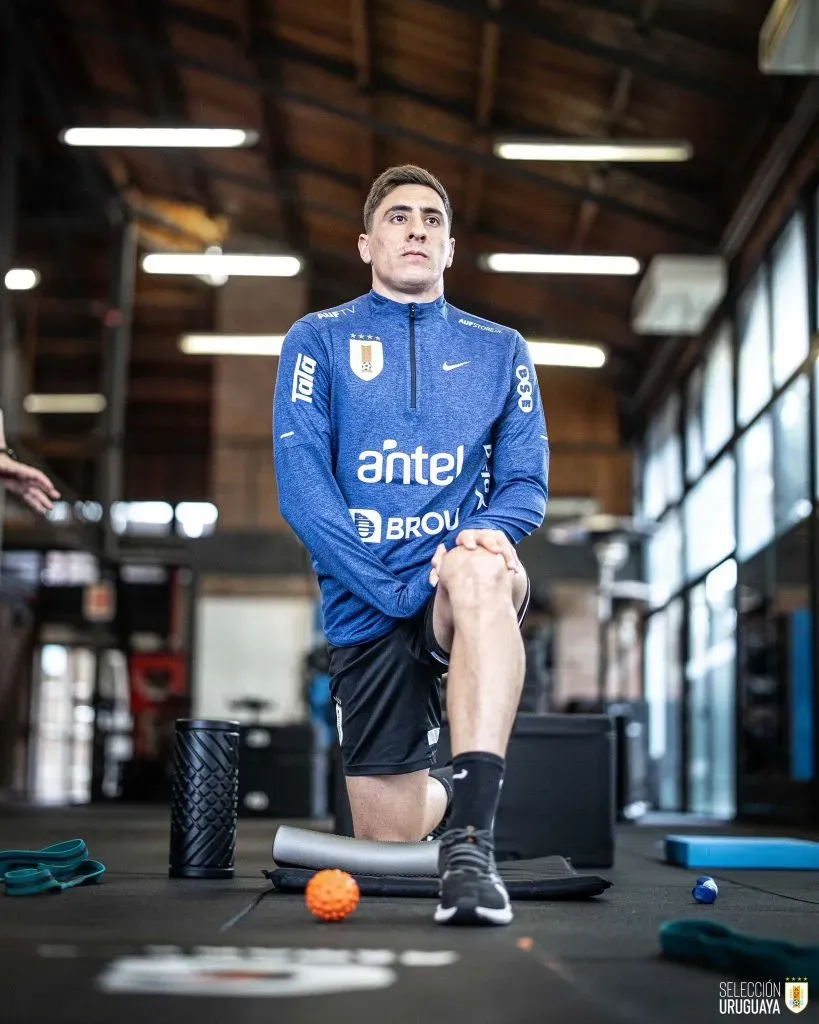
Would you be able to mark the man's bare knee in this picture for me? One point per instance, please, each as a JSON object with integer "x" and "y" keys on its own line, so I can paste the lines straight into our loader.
{"x": 475, "y": 579}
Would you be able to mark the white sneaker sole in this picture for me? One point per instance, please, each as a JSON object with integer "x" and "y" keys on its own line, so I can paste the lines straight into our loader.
{"x": 466, "y": 913}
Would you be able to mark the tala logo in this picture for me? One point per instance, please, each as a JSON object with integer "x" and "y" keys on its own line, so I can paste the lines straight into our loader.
{"x": 481, "y": 327}
{"x": 304, "y": 377}
{"x": 372, "y": 528}
{"x": 437, "y": 469}
{"x": 334, "y": 314}
{"x": 525, "y": 403}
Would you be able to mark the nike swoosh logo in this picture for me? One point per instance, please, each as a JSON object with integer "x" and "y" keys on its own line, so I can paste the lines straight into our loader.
{"x": 454, "y": 366}
{"x": 460, "y": 775}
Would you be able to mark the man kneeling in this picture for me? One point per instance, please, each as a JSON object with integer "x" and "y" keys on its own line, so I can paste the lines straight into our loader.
{"x": 411, "y": 457}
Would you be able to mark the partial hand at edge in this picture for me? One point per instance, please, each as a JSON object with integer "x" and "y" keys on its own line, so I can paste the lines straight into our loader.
{"x": 30, "y": 484}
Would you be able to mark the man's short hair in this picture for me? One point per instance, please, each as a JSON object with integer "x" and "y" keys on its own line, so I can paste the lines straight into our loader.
{"x": 394, "y": 177}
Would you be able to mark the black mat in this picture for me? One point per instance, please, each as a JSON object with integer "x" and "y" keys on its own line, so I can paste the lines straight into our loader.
{"x": 547, "y": 878}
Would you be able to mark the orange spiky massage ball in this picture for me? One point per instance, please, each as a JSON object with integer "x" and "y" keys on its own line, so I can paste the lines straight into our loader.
{"x": 332, "y": 895}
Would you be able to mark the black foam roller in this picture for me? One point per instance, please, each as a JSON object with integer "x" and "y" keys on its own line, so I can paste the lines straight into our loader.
{"x": 204, "y": 799}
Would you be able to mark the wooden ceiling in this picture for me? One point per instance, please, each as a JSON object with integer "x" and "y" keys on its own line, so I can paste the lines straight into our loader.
{"x": 340, "y": 89}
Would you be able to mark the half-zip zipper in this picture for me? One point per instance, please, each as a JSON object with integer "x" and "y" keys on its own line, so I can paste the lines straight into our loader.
{"x": 413, "y": 381}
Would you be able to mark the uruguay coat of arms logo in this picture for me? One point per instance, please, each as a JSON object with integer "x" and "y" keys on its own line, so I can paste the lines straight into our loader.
{"x": 366, "y": 356}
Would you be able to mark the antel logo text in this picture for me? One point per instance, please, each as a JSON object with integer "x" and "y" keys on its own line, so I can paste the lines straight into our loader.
{"x": 419, "y": 467}
{"x": 303, "y": 379}
{"x": 372, "y": 528}
{"x": 525, "y": 403}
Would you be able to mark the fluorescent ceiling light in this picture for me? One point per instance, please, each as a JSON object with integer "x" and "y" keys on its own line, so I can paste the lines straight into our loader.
{"x": 220, "y": 264}
{"x": 161, "y": 138}
{"x": 21, "y": 279}
{"x": 231, "y": 344}
{"x": 544, "y": 353}
{"x": 565, "y": 353}
{"x": 558, "y": 263}
{"x": 45, "y": 404}
{"x": 603, "y": 151}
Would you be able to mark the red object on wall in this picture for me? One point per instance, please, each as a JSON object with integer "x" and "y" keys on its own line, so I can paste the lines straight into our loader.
{"x": 159, "y": 695}
{"x": 99, "y": 602}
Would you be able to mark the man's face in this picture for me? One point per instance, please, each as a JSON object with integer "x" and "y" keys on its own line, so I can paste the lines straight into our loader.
{"x": 408, "y": 245}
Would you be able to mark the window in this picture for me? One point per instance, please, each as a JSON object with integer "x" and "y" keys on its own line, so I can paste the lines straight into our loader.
{"x": 70, "y": 569}
{"x": 653, "y": 492}
{"x": 196, "y": 518}
{"x": 718, "y": 394}
{"x": 142, "y": 518}
{"x": 816, "y": 420}
{"x": 711, "y": 709}
{"x": 754, "y": 376}
{"x": 664, "y": 559}
{"x": 756, "y": 488}
{"x": 789, "y": 286}
{"x": 663, "y": 690}
{"x": 694, "y": 442}
{"x": 791, "y": 419}
{"x": 672, "y": 453}
{"x": 662, "y": 483}
{"x": 23, "y": 567}
{"x": 709, "y": 519}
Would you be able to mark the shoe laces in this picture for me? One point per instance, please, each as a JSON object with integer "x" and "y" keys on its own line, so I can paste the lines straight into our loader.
{"x": 469, "y": 848}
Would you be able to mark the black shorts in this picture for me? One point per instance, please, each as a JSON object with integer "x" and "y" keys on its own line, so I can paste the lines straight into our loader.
{"x": 387, "y": 696}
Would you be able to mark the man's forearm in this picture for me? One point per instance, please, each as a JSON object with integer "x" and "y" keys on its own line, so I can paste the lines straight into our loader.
{"x": 517, "y": 508}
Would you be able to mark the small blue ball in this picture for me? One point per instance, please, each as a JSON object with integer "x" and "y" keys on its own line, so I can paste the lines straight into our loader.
{"x": 706, "y": 892}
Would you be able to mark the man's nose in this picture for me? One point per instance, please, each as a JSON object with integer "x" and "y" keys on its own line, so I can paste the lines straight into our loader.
{"x": 417, "y": 229}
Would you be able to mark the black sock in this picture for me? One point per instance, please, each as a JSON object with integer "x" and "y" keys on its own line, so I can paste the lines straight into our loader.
{"x": 477, "y": 777}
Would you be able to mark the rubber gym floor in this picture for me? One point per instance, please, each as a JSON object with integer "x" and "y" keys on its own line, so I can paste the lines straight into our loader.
{"x": 81, "y": 955}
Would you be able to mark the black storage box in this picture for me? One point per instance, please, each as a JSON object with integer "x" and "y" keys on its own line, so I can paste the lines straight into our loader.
{"x": 280, "y": 768}
{"x": 559, "y": 789}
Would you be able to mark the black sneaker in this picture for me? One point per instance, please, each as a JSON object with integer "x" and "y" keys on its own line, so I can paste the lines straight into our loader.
{"x": 472, "y": 891}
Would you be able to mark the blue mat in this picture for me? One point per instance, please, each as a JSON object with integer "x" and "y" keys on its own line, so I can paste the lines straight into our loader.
{"x": 732, "y": 852}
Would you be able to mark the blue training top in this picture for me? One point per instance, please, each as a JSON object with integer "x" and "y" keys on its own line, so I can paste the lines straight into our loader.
{"x": 397, "y": 425}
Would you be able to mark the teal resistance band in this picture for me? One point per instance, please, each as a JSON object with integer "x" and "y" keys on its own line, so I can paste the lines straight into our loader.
{"x": 57, "y": 867}
{"x": 713, "y": 945}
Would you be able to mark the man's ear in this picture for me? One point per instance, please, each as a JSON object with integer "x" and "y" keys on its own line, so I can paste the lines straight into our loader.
{"x": 364, "y": 248}
{"x": 451, "y": 256}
